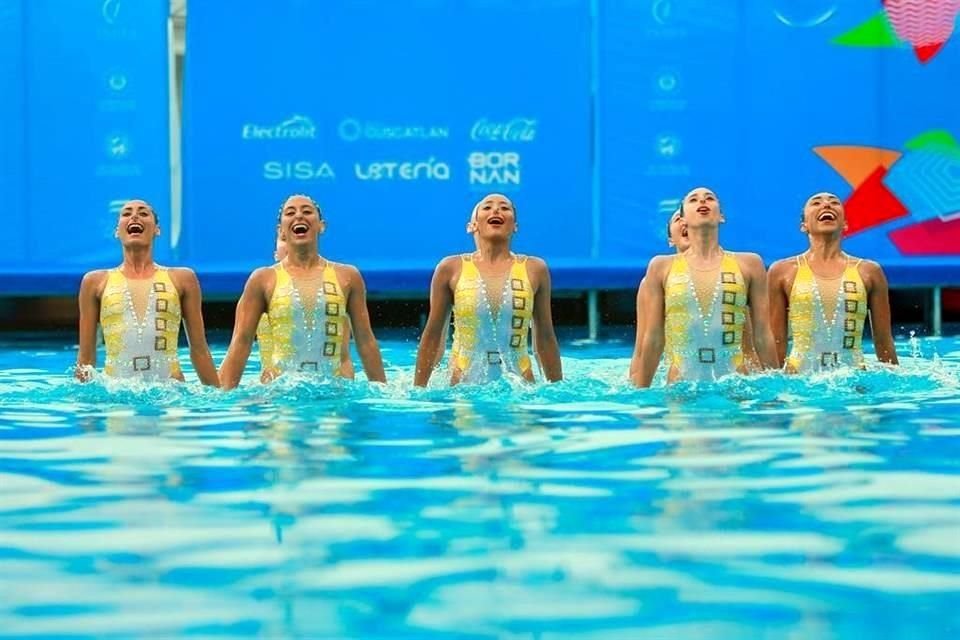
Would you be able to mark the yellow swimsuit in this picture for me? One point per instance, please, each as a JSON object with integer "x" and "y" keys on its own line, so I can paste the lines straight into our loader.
{"x": 306, "y": 337}
{"x": 822, "y": 342}
{"x": 489, "y": 340}
{"x": 265, "y": 340}
{"x": 147, "y": 348}
{"x": 698, "y": 345}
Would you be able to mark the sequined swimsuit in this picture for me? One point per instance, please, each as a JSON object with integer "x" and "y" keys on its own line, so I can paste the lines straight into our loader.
{"x": 489, "y": 340}
{"x": 822, "y": 341}
{"x": 265, "y": 342}
{"x": 147, "y": 347}
{"x": 305, "y": 337}
{"x": 704, "y": 345}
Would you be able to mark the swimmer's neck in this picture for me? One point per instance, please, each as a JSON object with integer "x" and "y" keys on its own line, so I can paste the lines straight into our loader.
{"x": 825, "y": 247}
{"x": 138, "y": 261}
{"x": 493, "y": 251}
{"x": 704, "y": 242}
{"x": 303, "y": 257}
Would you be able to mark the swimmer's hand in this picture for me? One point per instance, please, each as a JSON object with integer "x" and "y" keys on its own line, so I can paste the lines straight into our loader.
{"x": 83, "y": 372}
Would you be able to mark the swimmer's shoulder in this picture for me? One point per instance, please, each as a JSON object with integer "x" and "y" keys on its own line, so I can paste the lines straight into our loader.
{"x": 749, "y": 261}
{"x": 784, "y": 270}
{"x": 184, "y": 278}
{"x": 262, "y": 280}
{"x": 449, "y": 262}
{"x": 870, "y": 271}
{"x": 93, "y": 282}
{"x": 449, "y": 267}
{"x": 535, "y": 262}
{"x": 347, "y": 274}
{"x": 658, "y": 267}
{"x": 268, "y": 272}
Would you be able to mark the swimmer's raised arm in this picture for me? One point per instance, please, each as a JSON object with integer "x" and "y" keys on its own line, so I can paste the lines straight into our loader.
{"x": 759, "y": 308}
{"x": 641, "y": 303}
{"x": 878, "y": 302}
{"x": 544, "y": 338}
{"x": 367, "y": 346}
{"x": 778, "y": 297}
{"x": 252, "y": 305}
{"x": 191, "y": 305}
{"x": 653, "y": 338}
{"x": 91, "y": 288}
{"x": 432, "y": 341}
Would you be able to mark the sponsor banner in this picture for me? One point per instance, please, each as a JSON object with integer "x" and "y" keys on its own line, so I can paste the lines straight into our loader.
{"x": 677, "y": 111}
{"x": 13, "y": 149}
{"x": 396, "y": 132}
{"x": 92, "y": 128}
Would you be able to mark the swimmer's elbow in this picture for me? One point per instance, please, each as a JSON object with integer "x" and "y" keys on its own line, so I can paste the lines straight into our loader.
{"x": 242, "y": 340}
{"x": 653, "y": 342}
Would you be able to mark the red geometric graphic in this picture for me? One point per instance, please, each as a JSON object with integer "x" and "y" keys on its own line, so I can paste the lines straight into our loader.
{"x": 931, "y": 238}
{"x": 925, "y": 24}
{"x": 871, "y": 204}
{"x": 922, "y": 174}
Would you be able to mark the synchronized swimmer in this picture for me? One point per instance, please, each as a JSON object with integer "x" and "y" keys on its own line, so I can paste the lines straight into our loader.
{"x": 704, "y": 311}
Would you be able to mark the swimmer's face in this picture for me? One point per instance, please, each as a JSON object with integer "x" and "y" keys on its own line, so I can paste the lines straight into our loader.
{"x": 701, "y": 208}
{"x": 495, "y": 217}
{"x": 823, "y": 213}
{"x": 678, "y": 233}
{"x": 137, "y": 224}
{"x": 300, "y": 222}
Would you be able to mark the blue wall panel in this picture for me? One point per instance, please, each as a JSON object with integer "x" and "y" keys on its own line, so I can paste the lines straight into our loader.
{"x": 12, "y": 147}
{"x": 91, "y": 90}
{"x": 395, "y": 116}
{"x": 736, "y": 96}
{"x": 595, "y": 116}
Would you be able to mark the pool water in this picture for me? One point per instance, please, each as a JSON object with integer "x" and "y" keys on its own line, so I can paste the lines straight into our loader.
{"x": 764, "y": 507}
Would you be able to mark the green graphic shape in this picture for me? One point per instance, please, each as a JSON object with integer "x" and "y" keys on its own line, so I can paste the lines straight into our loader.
{"x": 875, "y": 32}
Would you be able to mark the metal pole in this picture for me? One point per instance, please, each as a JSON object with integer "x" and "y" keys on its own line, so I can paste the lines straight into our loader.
{"x": 176, "y": 178}
{"x": 593, "y": 313}
{"x": 937, "y": 311}
{"x": 595, "y": 138}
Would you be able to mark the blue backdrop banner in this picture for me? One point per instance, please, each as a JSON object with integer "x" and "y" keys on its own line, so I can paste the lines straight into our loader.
{"x": 396, "y": 117}
{"x": 594, "y": 116}
{"x": 771, "y": 101}
{"x": 13, "y": 152}
{"x": 86, "y": 113}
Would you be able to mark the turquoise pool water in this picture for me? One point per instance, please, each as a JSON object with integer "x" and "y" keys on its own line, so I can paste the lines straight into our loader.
{"x": 768, "y": 507}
